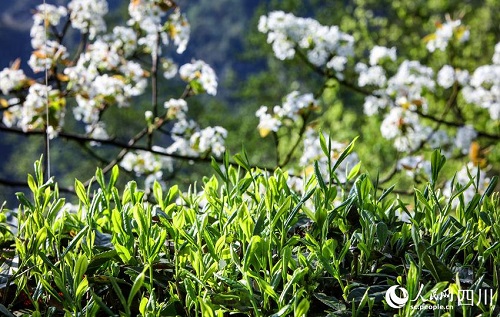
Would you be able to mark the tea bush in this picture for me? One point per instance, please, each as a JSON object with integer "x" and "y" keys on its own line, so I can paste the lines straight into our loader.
{"x": 251, "y": 244}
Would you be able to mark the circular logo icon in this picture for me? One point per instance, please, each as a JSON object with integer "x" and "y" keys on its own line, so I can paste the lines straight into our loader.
{"x": 394, "y": 300}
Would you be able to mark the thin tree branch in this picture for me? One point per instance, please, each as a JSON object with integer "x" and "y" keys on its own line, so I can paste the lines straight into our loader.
{"x": 457, "y": 124}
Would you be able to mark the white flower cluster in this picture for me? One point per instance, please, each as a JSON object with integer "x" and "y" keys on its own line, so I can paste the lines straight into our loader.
{"x": 444, "y": 33}
{"x": 410, "y": 81}
{"x": 402, "y": 94}
{"x": 373, "y": 104}
{"x": 148, "y": 15}
{"x": 403, "y": 126}
{"x": 10, "y": 116}
{"x": 46, "y": 52}
{"x": 97, "y": 131}
{"x": 405, "y": 89}
{"x": 294, "y": 105}
{"x": 11, "y": 78}
{"x": 49, "y": 13}
{"x": 209, "y": 141}
{"x": 267, "y": 122}
{"x": 169, "y": 67}
{"x": 181, "y": 133}
{"x": 447, "y": 76}
{"x": 324, "y": 45}
{"x": 484, "y": 87}
{"x": 190, "y": 140}
{"x": 32, "y": 114}
{"x": 47, "y": 56}
{"x": 370, "y": 76}
{"x": 379, "y": 53}
{"x": 147, "y": 163}
{"x": 200, "y": 76}
{"x": 313, "y": 152}
{"x": 102, "y": 77}
{"x": 123, "y": 41}
{"x": 177, "y": 108}
{"x": 496, "y": 55}
{"x": 179, "y": 30}
{"x": 88, "y": 16}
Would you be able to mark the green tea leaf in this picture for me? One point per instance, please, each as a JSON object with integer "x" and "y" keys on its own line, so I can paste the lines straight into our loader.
{"x": 298, "y": 206}
{"x": 439, "y": 271}
{"x": 206, "y": 310}
{"x": 354, "y": 171}
{"x": 81, "y": 193}
{"x": 75, "y": 240}
{"x": 115, "y": 171}
{"x": 344, "y": 154}
{"x": 81, "y": 289}
{"x": 319, "y": 177}
{"x": 302, "y": 308}
{"x": 32, "y": 184}
{"x": 139, "y": 281}
{"x": 437, "y": 162}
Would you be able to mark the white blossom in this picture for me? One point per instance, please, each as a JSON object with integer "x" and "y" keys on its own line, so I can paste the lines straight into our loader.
{"x": 201, "y": 73}
{"x": 379, "y": 53}
{"x": 414, "y": 165}
{"x": 123, "y": 41}
{"x": 373, "y": 104}
{"x": 146, "y": 163}
{"x": 88, "y": 16}
{"x": 209, "y": 141}
{"x": 47, "y": 56}
{"x": 411, "y": 81}
{"x": 267, "y": 122}
{"x": 177, "y": 108}
{"x": 371, "y": 76}
{"x": 444, "y": 33}
{"x": 179, "y": 30}
{"x": 45, "y": 12}
{"x": 446, "y": 76}
{"x": 484, "y": 89}
{"x": 287, "y": 32}
{"x": 169, "y": 67}
{"x": 34, "y": 110}
{"x": 11, "y": 79}
{"x": 294, "y": 104}
{"x": 12, "y": 115}
{"x": 403, "y": 126}
{"x": 97, "y": 131}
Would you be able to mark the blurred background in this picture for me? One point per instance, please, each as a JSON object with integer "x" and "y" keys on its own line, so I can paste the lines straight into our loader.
{"x": 224, "y": 34}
